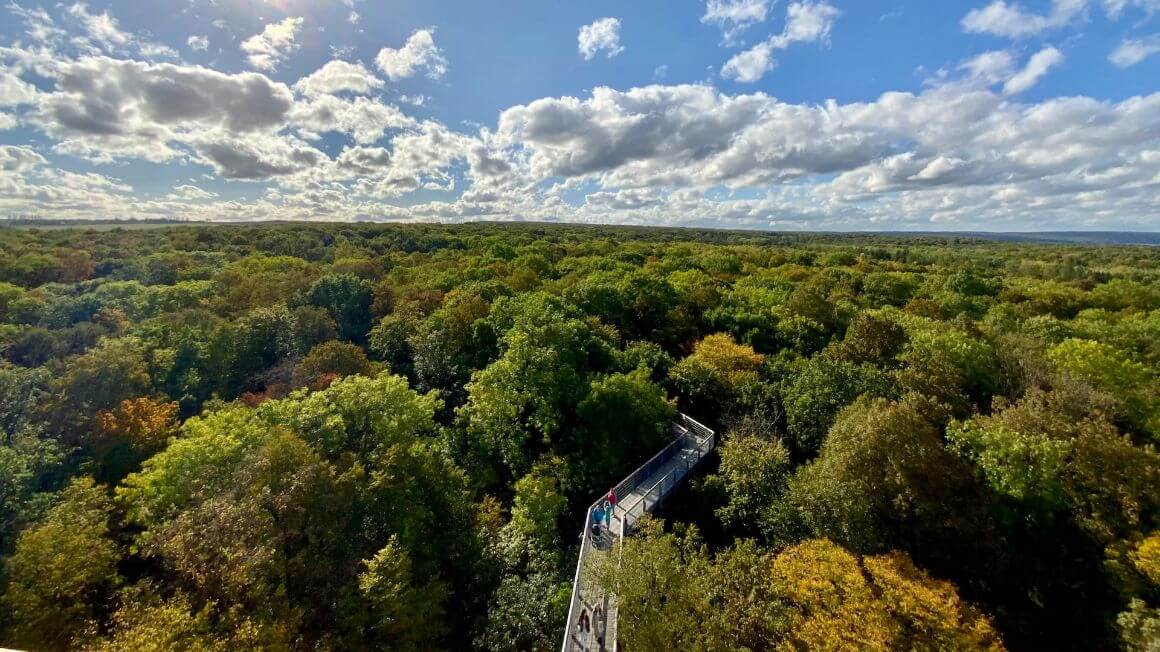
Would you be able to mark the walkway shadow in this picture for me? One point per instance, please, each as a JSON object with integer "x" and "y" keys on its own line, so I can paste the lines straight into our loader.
{"x": 603, "y": 540}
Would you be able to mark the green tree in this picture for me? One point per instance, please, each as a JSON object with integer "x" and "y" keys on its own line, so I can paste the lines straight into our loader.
{"x": 870, "y": 340}
{"x": 525, "y": 614}
{"x": 62, "y": 571}
{"x": 330, "y": 361}
{"x": 113, "y": 371}
{"x": 520, "y": 405}
{"x": 403, "y": 615}
{"x": 884, "y": 480}
{"x": 1132, "y": 384}
{"x": 624, "y": 419}
{"x": 818, "y": 391}
{"x": 754, "y": 473}
{"x": 348, "y": 300}
{"x": 531, "y": 539}
{"x": 715, "y": 372}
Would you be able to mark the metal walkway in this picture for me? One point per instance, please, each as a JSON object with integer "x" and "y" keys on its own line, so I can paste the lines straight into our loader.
{"x": 592, "y": 615}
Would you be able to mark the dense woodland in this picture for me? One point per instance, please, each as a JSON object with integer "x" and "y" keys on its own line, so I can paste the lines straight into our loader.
{"x": 384, "y": 436}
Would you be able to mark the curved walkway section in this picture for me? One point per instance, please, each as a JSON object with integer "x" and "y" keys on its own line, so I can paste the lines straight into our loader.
{"x": 592, "y": 615}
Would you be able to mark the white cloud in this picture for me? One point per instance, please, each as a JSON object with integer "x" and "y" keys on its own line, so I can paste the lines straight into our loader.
{"x": 602, "y": 34}
{"x": 190, "y": 193}
{"x": 990, "y": 67}
{"x": 19, "y": 159}
{"x": 337, "y": 76}
{"x": 105, "y": 108}
{"x": 418, "y": 53}
{"x": 364, "y": 161}
{"x": 14, "y": 91}
{"x": 418, "y": 159}
{"x": 972, "y": 155}
{"x": 196, "y": 42}
{"x": 805, "y": 22}
{"x": 965, "y": 152}
{"x": 365, "y": 119}
{"x": 254, "y": 157}
{"x": 1001, "y": 18}
{"x": 1037, "y": 66}
{"x": 1132, "y": 51}
{"x": 1115, "y": 8}
{"x": 353, "y": 18}
{"x": 153, "y": 51}
{"x": 750, "y": 65}
{"x": 999, "y": 67}
{"x": 267, "y": 50}
{"x": 101, "y": 27}
{"x": 8, "y": 121}
{"x": 735, "y": 16}
{"x": 39, "y": 26}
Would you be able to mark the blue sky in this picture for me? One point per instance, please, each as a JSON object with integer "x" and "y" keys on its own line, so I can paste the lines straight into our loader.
{"x": 814, "y": 114}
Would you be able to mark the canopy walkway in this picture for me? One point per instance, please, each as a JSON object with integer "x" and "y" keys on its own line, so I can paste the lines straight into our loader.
{"x": 592, "y": 615}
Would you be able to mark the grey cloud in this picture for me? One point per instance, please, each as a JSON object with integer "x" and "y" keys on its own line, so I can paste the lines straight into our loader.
{"x": 253, "y": 159}
{"x": 116, "y": 91}
{"x": 363, "y": 118}
{"x": 19, "y": 159}
{"x": 364, "y": 160}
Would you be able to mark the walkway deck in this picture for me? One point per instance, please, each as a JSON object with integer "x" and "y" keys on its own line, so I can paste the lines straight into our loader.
{"x": 592, "y": 615}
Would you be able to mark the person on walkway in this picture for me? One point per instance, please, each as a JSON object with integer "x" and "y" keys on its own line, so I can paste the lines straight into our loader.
{"x": 612, "y": 498}
{"x": 597, "y": 519}
{"x": 606, "y": 508}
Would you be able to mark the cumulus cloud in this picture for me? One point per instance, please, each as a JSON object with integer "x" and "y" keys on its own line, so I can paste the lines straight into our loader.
{"x": 1037, "y": 66}
{"x": 104, "y": 108}
{"x": 735, "y": 16}
{"x": 254, "y": 157}
{"x": 419, "y": 158}
{"x": 337, "y": 76}
{"x": 196, "y": 42}
{"x": 805, "y": 22}
{"x": 19, "y": 159}
{"x": 154, "y": 51}
{"x": 190, "y": 193}
{"x": 265, "y": 51}
{"x": 14, "y": 91}
{"x": 419, "y": 53}
{"x": 364, "y": 161}
{"x": 602, "y": 34}
{"x": 364, "y": 119}
{"x": 1132, "y": 51}
{"x": 965, "y": 149}
{"x": 1001, "y": 18}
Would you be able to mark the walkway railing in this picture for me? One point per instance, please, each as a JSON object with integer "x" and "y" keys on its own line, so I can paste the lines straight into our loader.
{"x": 592, "y": 614}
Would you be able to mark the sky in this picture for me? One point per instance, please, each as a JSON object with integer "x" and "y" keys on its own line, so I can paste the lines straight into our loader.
{"x": 965, "y": 115}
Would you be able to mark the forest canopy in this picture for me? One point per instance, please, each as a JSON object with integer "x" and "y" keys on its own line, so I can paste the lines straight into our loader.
{"x": 360, "y": 436}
